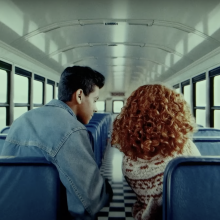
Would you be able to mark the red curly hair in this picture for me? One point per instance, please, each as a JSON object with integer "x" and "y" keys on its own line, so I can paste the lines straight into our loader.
{"x": 155, "y": 120}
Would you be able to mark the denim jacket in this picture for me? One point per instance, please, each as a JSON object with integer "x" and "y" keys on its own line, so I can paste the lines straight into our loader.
{"x": 54, "y": 132}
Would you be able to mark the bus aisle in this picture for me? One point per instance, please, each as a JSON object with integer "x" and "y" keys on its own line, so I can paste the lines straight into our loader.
{"x": 123, "y": 196}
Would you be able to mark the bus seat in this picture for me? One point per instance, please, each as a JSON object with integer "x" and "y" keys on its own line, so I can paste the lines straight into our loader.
{"x": 101, "y": 126}
{"x": 207, "y": 132}
{"x": 2, "y": 140}
{"x": 5, "y": 130}
{"x": 208, "y": 145}
{"x": 91, "y": 139}
{"x": 31, "y": 189}
{"x": 191, "y": 189}
{"x": 94, "y": 135}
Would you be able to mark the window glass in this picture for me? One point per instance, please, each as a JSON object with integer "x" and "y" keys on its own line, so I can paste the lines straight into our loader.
{"x": 201, "y": 93}
{"x": 2, "y": 117}
{"x": 20, "y": 89}
{"x": 217, "y": 119}
{"x": 18, "y": 111}
{"x": 186, "y": 93}
{"x": 216, "y": 91}
{"x": 177, "y": 90}
{"x": 56, "y": 92}
{"x": 49, "y": 92}
{"x": 38, "y": 92}
{"x": 100, "y": 106}
{"x": 200, "y": 117}
{"x": 117, "y": 105}
{"x": 3, "y": 86}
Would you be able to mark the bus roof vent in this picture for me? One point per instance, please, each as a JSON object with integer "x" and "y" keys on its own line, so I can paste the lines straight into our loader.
{"x": 111, "y": 23}
{"x": 112, "y": 45}
{"x": 117, "y": 94}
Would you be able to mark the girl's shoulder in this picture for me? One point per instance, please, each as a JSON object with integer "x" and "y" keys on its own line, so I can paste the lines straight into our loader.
{"x": 190, "y": 149}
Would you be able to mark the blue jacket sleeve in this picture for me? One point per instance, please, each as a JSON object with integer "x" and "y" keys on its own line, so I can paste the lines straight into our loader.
{"x": 87, "y": 191}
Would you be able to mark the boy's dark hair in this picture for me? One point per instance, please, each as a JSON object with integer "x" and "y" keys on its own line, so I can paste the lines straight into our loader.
{"x": 78, "y": 77}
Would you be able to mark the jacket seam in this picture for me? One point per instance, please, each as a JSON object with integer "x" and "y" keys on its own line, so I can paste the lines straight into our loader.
{"x": 43, "y": 147}
{"x": 27, "y": 143}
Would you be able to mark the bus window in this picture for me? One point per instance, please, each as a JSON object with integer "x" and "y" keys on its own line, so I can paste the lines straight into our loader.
{"x": 18, "y": 111}
{"x": 201, "y": 93}
{"x": 200, "y": 102}
{"x": 56, "y": 92}
{"x": 117, "y": 105}
{"x": 100, "y": 106}
{"x": 217, "y": 119}
{"x": 177, "y": 90}
{"x": 200, "y": 117}
{"x": 186, "y": 93}
{"x": 38, "y": 92}
{"x": 5, "y": 70}
{"x": 217, "y": 90}
{"x": 3, "y": 86}
{"x": 20, "y": 89}
{"x": 3, "y": 97}
{"x": 2, "y": 117}
{"x": 216, "y": 100}
{"x": 49, "y": 93}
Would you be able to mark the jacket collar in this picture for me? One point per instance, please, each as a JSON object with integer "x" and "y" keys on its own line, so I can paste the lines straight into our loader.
{"x": 61, "y": 104}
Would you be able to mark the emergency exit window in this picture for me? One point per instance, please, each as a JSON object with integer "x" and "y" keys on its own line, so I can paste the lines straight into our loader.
{"x": 117, "y": 106}
{"x": 100, "y": 106}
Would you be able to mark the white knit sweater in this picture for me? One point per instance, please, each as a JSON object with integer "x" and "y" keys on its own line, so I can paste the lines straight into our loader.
{"x": 146, "y": 179}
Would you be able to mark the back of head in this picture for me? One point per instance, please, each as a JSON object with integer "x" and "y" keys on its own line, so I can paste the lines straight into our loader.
{"x": 78, "y": 77}
{"x": 155, "y": 120}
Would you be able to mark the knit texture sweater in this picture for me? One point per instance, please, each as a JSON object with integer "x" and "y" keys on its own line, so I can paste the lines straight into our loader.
{"x": 145, "y": 177}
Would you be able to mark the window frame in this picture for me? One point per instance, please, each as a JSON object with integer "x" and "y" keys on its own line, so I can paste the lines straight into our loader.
{"x": 57, "y": 85}
{"x": 21, "y": 72}
{"x": 10, "y": 105}
{"x": 195, "y": 80}
{"x": 212, "y": 73}
{"x": 183, "y": 84}
{"x": 40, "y": 79}
{"x": 177, "y": 86}
{"x": 24, "y": 73}
{"x": 7, "y": 68}
{"x": 52, "y": 83}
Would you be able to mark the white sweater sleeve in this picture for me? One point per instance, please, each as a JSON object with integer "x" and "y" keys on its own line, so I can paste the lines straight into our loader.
{"x": 190, "y": 149}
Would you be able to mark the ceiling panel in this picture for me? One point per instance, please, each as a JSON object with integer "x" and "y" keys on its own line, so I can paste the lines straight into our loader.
{"x": 130, "y": 42}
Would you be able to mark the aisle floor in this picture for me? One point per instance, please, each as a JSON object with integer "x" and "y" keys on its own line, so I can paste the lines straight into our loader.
{"x": 123, "y": 196}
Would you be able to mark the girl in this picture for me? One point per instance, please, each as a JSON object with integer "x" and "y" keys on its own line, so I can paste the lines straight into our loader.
{"x": 154, "y": 126}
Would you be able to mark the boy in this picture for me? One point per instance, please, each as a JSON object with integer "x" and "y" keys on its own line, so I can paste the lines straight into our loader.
{"x": 56, "y": 132}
